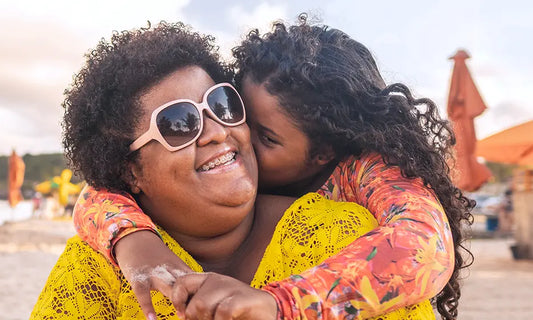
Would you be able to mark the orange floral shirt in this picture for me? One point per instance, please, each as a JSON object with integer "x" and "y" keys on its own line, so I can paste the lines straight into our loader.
{"x": 407, "y": 259}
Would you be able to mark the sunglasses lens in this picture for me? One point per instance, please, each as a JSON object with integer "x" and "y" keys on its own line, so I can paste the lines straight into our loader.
{"x": 179, "y": 123}
{"x": 226, "y": 104}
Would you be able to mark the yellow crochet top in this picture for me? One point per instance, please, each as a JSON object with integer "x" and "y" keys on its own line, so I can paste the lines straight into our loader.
{"x": 84, "y": 285}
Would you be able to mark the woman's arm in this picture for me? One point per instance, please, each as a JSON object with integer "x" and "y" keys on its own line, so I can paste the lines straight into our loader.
{"x": 406, "y": 260}
{"x": 114, "y": 225}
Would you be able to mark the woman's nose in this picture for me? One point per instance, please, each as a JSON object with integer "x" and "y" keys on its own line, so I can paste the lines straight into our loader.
{"x": 212, "y": 132}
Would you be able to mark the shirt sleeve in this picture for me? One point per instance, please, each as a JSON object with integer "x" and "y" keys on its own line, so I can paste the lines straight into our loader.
{"x": 102, "y": 218}
{"x": 407, "y": 259}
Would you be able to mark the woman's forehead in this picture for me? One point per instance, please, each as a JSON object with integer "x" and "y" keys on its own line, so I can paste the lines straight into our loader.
{"x": 185, "y": 83}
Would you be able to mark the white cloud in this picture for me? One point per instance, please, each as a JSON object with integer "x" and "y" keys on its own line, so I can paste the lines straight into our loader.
{"x": 261, "y": 17}
{"x": 242, "y": 19}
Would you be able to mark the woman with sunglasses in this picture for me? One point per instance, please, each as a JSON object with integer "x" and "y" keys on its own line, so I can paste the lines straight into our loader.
{"x": 198, "y": 182}
{"x": 322, "y": 118}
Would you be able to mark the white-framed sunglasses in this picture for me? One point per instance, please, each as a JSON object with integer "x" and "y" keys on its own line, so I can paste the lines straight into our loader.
{"x": 178, "y": 123}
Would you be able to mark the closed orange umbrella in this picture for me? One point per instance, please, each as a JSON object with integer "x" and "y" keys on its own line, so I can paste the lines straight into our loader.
{"x": 513, "y": 145}
{"x": 15, "y": 178}
{"x": 464, "y": 104}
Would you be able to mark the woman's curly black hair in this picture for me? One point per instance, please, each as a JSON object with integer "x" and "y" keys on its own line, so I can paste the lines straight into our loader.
{"x": 330, "y": 86}
{"x": 101, "y": 105}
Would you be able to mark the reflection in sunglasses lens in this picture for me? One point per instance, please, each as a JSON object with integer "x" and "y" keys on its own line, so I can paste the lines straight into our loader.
{"x": 178, "y": 123}
{"x": 225, "y": 103}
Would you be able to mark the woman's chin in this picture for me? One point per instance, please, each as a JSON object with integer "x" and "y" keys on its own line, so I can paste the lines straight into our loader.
{"x": 242, "y": 193}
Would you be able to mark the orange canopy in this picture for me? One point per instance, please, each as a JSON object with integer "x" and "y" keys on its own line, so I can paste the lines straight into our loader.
{"x": 513, "y": 145}
{"x": 464, "y": 104}
{"x": 15, "y": 178}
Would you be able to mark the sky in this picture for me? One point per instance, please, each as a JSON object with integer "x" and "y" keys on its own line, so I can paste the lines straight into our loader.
{"x": 42, "y": 45}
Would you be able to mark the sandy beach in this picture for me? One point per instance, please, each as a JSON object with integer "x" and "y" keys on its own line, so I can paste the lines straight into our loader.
{"x": 28, "y": 251}
{"x": 495, "y": 287}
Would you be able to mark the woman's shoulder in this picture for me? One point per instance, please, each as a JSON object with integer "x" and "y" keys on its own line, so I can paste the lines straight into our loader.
{"x": 86, "y": 262}
{"x": 312, "y": 229}
{"x": 80, "y": 264}
{"x": 77, "y": 250}
{"x": 314, "y": 210}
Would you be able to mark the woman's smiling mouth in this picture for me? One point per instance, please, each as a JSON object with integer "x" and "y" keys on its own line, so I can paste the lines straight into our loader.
{"x": 220, "y": 161}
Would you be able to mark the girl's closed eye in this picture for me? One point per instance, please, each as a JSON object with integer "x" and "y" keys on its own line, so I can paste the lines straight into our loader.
{"x": 267, "y": 139}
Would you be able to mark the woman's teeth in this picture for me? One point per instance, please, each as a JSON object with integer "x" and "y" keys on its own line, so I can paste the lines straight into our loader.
{"x": 228, "y": 157}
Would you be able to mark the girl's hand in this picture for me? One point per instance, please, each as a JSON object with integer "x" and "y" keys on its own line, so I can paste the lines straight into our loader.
{"x": 219, "y": 297}
{"x": 148, "y": 264}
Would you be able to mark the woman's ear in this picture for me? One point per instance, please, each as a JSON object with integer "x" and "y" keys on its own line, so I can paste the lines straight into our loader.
{"x": 132, "y": 178}
{"x": 324, "y": 156}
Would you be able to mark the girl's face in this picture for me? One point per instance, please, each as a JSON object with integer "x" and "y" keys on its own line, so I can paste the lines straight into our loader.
{"x": 280, "y": 146}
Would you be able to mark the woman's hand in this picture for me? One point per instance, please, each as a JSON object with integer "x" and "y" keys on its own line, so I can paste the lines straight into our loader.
{"x": 148, "y": 264}
{"x": 214, "y": 296}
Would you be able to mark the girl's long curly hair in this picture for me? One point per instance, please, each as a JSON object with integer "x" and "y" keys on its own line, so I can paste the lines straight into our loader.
{"x": 330, "y": 86}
